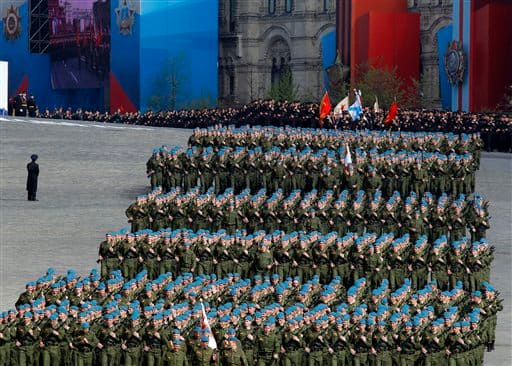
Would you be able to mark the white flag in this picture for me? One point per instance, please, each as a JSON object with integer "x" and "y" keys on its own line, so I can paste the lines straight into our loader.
{"x": 340, "y": 107}
{"x": 205, "y": 324}
{"x": 376, "y": 108}
{"x": 348, "y": 157}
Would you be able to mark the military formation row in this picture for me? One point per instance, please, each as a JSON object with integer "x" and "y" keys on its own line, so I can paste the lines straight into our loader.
{"x": 289, "y": 170}
{"x": 299, "y": 254}
{"x": 164, "y": 322}
{"x": 357, "y": 211}
{"x": 317, "y": 139}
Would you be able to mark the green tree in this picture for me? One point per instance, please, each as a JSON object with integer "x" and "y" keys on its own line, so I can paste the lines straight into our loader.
{"x": 284, "y": 89}
{"x": 380, "y": 82}
{"x": 387, "y": 86}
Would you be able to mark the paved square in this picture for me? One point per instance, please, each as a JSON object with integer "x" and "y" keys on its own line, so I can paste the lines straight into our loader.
{"x": 91, "y": 172}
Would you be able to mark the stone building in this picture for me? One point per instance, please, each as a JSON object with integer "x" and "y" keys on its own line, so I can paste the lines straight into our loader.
{"x": 260, "y": 39}
{"x": 434, "y": 15}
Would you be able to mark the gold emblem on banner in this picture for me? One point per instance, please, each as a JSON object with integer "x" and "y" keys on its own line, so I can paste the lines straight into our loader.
{"x": 12, "y": 23}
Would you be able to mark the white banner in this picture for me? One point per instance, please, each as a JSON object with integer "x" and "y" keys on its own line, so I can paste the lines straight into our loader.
{"x": 4, "y": 79}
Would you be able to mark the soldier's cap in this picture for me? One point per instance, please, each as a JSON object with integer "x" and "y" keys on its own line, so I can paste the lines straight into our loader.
{"x": 437, "y": 322}
{"x": 158, "y": 316}
{"x": 204, "y": 339}
{"x": 54, "y": 316}
{"x": 231, "y": 331}
{"x": 224, "y": 319}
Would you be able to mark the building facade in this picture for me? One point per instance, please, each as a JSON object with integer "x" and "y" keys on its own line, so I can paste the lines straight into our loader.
{"x": 261, "y": 39}
{"x": 434, "y": 15}
{"x": 258, "y": 39}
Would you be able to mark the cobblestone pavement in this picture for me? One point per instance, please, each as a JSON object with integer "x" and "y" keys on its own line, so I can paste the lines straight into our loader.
{"x": 91, "y": 172}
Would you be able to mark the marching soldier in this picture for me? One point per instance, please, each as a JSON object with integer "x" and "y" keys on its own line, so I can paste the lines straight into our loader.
{"x": 232, "y": 355}
{"x": 84, "y": 343}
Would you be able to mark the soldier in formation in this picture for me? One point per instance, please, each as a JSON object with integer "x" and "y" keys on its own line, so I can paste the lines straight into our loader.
{"x": 251, "y": 321}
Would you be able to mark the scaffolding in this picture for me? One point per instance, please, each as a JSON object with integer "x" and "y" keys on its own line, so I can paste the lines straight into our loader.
{"x": 39, "y": 26}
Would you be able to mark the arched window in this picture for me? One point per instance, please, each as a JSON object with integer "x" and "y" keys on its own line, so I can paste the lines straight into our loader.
{"x": 232, "y": 15}
{"x": 274, "y": 73}
{"x": 271, "y": 6}
{"x": 288, "y": 6}
{"x": 231, "y": 85}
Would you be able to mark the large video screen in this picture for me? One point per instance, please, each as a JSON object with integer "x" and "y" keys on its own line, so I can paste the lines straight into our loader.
{"x": 80, "y": 43}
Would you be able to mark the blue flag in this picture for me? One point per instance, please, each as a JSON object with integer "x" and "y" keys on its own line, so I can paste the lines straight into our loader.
{"x": 356, "y": 109}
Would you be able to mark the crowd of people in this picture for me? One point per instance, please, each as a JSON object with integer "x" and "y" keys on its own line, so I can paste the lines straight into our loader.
{"x": 495, "y": 128}
{"x": 301, "y": 254}
{"x": 280, "y": 271}
{"x": 316, "y": 139}
{"x": 203, "y": 320}
{"x": 244, "y": 168}
{"x": 23, "y": 105}
{"x": 432, "y": 216}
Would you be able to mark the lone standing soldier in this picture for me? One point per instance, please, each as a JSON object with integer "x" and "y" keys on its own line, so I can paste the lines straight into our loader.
{"x": 33, "y": 173}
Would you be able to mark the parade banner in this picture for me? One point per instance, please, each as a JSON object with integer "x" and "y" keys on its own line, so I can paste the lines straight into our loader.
{"x": 4, "y": 82}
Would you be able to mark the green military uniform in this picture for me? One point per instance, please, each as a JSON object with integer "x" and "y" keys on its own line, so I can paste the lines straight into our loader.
{"x": 434, "y": 343}
{"x": 5, "y": 344}
{"x": 293, "y": 344}
{"x": 410, "y": 348}
{"x": 27, "y": 336}
{"x": 52, "y": 336}
{"x": 382, "y": 342}
{"x": 176, "y": 357}
{"x": 137, "y": 216}
{"x": 268, "y": 348}
{"x": 130, "y": 256}
{"x": 133, "y": 344}
{"x": 154, "y": 341}
{"x": 203, "y": 356}
{"x": 247, "y": 337}
{"x": 233, "y": 357}
{"x": 110, "y": 338}
{"x": 84, "y": 342}
{"x": 108, "y": 257}
{"x": 316, "y": 340}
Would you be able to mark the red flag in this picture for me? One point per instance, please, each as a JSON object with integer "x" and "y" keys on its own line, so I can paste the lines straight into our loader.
{"x": 325, "y": 108}
{"x": 393, "y": 110}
